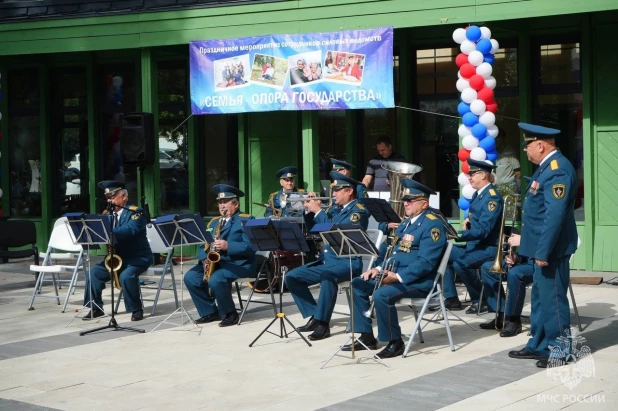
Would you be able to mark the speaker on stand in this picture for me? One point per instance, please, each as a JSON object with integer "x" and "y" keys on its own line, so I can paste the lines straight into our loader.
{"x": 137, "y": 145}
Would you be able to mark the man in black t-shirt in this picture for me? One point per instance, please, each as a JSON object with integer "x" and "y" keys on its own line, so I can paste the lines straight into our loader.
{"x": 374, "y": 168}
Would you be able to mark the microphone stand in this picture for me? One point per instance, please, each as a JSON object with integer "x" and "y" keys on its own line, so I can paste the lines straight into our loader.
{"x": 113, "y": 324}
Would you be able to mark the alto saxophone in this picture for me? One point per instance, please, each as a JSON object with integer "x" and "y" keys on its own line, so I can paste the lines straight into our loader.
{"x": 212, "y": 256}
{"x": 113, "y": 264}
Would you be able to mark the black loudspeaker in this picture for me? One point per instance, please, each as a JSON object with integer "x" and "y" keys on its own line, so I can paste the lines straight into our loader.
{"x": 137, "y": 138}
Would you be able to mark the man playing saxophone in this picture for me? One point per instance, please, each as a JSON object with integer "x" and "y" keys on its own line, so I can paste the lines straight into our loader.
{"x": 131, "y": 246}
{"x": 416, "y": 255}
{"x": 237, "y": 259}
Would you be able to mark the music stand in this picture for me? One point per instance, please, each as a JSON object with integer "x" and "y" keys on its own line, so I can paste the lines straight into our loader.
{"x": 381, "y": 210}
{"x": 100, "y": 226}
{"x": 181, "y": 230}
{"x": 348, "y": 240}
{"x": 82, "y": 233}
{"x": 273, "y": 235}
{"x": 450, "y": 230}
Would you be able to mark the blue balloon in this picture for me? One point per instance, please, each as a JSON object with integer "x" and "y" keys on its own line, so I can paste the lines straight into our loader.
{"x": 492, "y": 156}
{"x": 488, "y": 143}
{"x": 473, "y": 33}
{"x": 479, "y": 130}
{"x": 484, "y": 46}
{"x": 0, "y": 95}
{"x": 489, "y": 58}
{"x": 463, "y": 108}
{"x": 470, "y": 119}
{"x": 463, "y": 203}
{"x": 466, "y": 212}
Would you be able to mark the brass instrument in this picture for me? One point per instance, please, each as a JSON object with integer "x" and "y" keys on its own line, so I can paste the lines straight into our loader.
{"x": 502, "y": 246}
{"x": 387, "y": 265}
{"x": 396, "y": 171}
{"x": 212, "y": 256}
{"x": 113, "y": 262}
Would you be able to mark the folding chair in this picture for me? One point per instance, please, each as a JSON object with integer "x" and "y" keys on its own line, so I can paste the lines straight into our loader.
{"x": 434, "y": 296}
{"x": 263, "y": 273}
{"x": 60, "y": 240}
{"x": 157, "y": 246}
{"x": 579, "y": 322}
{"x": 18, "y": 234}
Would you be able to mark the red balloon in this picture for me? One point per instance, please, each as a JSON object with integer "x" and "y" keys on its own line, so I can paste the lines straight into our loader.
{"x": 486, "y": 94}
{"x": 477, "y": 82}
{"x": 465, "y": 167}
{"x": 461, "y": 59}
{"x": 492, "y": 106}
{"x": 467, "y": 70}
{"x": 463, "y": 154}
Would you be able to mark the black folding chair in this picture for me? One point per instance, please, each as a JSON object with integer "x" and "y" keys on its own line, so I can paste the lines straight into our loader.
{"x": 14, "y": 236}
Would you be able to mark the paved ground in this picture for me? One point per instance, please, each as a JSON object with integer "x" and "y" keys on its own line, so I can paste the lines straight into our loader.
{"x": 46, "y": 365}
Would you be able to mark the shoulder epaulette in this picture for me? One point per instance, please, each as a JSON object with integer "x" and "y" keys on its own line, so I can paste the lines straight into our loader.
{"x": 133, "y": 208}
{"x": 244, "y": 215}
{"x": 492, "y": 192}
{"x": 301, "y": 190}
{"x": 360, "y": 206}
{"x": 431, "y": 216}
{"x": 554, "y": 165}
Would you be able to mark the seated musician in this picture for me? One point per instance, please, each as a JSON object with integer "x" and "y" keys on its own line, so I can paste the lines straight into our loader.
{"x": 485, "y": 216}
{"x": 286, "y": 179}
{"x": 417, "y": 254}
{"x": 345, "y": 168}
{"x": 518, "y": 278}
{"x": 328, "y": 270}
{"x": 132, "y": 247}
{"x": 237, "y": 261}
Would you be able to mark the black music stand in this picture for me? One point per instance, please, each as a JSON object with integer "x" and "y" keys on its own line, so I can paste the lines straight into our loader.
{"x": 381, "y": 210}
{"x": 451, "y": 231}
{"x": 100, "y": 226}
{"x": 272, "y": 235}
{"x": 348, "y": 240}
{"x": 181, "y": 230}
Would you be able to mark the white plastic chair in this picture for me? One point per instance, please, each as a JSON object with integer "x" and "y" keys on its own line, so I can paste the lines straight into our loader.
{"x": 435, "y": 296}
{"x": 157, "y": 246}
{"x": 60, "y": 247}
{"x": 263, "y": 273}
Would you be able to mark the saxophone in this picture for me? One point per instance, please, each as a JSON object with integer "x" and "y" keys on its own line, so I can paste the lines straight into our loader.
{"x": 113, "y": 264}
{"x": 212, "y": 256}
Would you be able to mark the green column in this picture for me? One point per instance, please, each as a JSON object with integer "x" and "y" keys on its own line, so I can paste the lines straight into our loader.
{"x": 149, "y": 105}
{"x": 93, "y": 159}
{"x": 407, "y": 87}
{"x": 243, "y": 158}
{"x": 587, "y": 55}
{"x": 46, "y": 182}
{"x": 311, "y": 150}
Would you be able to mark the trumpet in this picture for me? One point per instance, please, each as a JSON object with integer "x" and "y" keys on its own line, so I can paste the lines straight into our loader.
{"x": 285, "y": 199}
{"x": 388, "y": 265}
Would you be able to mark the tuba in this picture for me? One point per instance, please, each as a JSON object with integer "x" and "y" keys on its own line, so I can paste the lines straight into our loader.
{"x": 396, "y": 171}
{"x": 212, "y": 256}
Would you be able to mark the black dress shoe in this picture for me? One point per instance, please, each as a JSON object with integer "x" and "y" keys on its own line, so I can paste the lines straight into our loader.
{"x": 93, "y": 314}
{"x": 522, "y": 355}
{"x": 511, "y": 329}
{"x": 491, "y": 325}
{"x": 542, "y": 362}
{"x": 208, "y": 318}
{"x": 322, "y": 331}
{"x": 137, "y": 315}
{"x": 475, "y": 308}
{"x": 369, "y": 340}
{"x": 451, "y": 303}
{"x": 393, "y": 349}
{"x": 310, "y": 326}
{"x": 230, "y": 319}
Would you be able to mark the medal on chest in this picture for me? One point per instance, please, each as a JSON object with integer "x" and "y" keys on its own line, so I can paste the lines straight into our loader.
{"x": 534, "y": 187}
{"x": 406, "y": 243}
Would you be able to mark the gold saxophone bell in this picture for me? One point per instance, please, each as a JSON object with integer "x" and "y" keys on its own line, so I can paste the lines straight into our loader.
{"x": 212, "y": 256}
{"x": 113, "y": 263}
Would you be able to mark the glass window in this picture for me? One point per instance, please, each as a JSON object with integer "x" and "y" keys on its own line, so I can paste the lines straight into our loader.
{"x": 115, "y": 97}
{"x": 173, "y": 142}
{"x": 332, "y": 134}
{"x": 70, "y": 139}
{"x": 558, "y": 104}
{"x": 219, "y": 139}
{"x": 24, "y": 142}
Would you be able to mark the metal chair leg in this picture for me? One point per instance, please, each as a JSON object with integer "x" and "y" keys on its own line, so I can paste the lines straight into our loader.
{"x": 579, "y": 323}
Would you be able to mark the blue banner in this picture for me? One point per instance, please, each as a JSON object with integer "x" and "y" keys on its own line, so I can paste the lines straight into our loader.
{"x": 315, "y": 71}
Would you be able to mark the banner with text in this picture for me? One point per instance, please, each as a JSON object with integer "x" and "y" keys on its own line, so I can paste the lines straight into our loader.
{"x": 314, "y": 71}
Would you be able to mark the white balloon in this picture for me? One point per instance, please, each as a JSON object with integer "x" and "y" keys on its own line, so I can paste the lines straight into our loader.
{"x": 485, "y": 33}
{"x": 494, "y": 46}
{"x": 117, "y": 81}
{"x": 493, "y": 130}
{"x": 484, "y": 70}
{"x": 478, "y": 153}
{"x": 459, "y": 74}
{"x": 488, "y": 118}
{"x": 459, "y": 36}
{"x": 478, "y": 107}
{"x": 462, "y": 84}
{"x": 490, "y": 82}
{"x": 475, "y": 58}
{"x": 467, "y": 47}
{"x": 464, "y": 131}
{"x": 468, "y": 95}
{"x": 467, "y": 191}
{"x": 470, "y": 142}
{"x": 463, "y": 179}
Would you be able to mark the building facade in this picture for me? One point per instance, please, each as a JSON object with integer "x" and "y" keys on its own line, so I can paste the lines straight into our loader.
{"x": 69, "y": 71}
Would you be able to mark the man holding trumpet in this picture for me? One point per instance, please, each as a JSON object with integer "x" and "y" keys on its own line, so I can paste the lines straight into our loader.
{"x": 421, "y": 241}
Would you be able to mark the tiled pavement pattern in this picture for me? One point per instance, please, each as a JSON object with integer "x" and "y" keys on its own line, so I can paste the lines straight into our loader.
{"x": 45, "y": 365}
